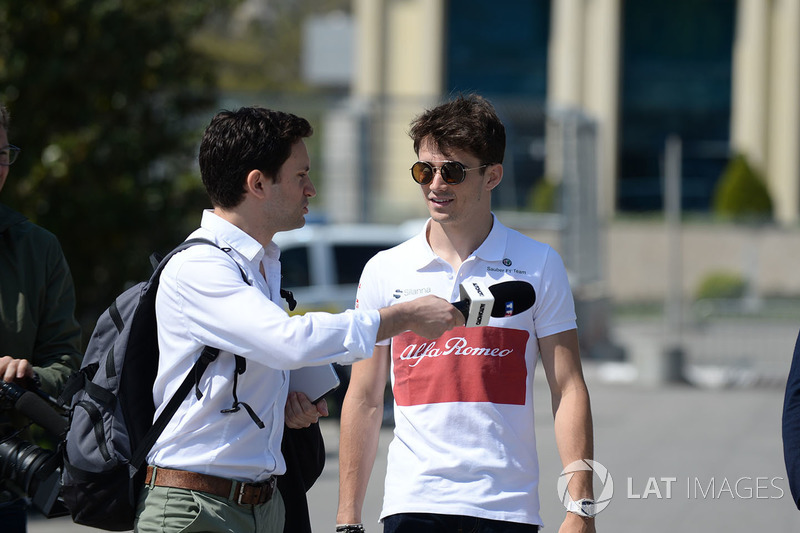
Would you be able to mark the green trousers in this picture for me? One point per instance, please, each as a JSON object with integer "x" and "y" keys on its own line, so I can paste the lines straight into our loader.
{"x": 170, "y": 510}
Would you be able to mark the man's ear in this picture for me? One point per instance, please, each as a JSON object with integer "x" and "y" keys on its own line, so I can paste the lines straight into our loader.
{"x": 494, "y": 176}
{"x": 257, "y": 184}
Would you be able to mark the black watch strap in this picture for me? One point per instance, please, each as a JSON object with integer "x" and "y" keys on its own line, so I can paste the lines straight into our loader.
{"x": 350, "y": 528}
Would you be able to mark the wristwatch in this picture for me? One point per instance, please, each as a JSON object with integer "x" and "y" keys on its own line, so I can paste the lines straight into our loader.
{"x": 350, "y": 528}
{"x": 583, "y": 507}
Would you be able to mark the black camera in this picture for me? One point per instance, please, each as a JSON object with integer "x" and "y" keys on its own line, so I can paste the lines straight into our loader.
{"x": 33, "y": 469}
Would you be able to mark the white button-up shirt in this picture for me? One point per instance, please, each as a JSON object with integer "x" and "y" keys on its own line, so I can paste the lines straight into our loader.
{"x": 203, "y": 301}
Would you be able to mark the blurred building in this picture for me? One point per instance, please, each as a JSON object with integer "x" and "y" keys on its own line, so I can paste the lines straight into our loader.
{"x": 723, "y": 75}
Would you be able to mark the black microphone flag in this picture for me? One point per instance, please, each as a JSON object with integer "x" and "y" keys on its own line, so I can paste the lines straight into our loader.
{"x": 507, "y": 298}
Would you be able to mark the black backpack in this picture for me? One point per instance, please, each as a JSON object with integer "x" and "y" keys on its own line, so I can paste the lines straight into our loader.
{"x": 110, "y": 399}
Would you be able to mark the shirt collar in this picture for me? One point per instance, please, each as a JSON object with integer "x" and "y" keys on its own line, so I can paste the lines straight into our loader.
{"x": 236, "y": 238}
{"x": 491, "y": 249}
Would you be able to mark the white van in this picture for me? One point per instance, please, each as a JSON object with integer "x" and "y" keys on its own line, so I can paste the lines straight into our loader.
{"x": 322, "y": 263}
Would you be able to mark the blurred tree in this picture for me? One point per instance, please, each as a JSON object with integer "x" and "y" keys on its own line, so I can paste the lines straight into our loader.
{"x": 107, "y": 101}
{"x": 544, "y": 196}
{"x": 721, "y": 284}
{"x": 741, "y": 193}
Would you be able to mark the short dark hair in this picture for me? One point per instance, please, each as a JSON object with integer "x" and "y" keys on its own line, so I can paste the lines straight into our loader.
{"x": 467, "y": 123}
{"x": 237, "y": 142}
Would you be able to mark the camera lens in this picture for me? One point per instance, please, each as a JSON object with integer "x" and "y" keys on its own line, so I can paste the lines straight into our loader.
{"x": 24, "y": 463}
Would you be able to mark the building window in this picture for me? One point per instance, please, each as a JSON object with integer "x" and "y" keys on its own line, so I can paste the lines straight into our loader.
{"x": 499, "y": 50}
{"x": 676, "y": 79}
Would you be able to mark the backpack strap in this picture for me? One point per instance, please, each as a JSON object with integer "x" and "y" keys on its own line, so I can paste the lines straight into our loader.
{"x": 76, "y": 382}
{"x": 241, "y": 366}
{"x": 206, "y": 357}
{"x": 289, "y": 297}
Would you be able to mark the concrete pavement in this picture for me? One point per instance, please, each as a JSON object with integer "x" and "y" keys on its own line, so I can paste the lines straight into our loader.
{"x": 681, "y": 458}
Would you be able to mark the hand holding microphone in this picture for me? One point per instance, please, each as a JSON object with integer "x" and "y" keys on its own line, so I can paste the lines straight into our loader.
{"x": 479, "y": 302}
{"x": 430, "y": 316}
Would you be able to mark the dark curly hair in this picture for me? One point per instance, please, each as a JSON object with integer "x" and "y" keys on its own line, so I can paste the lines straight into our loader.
{"x": 469, "y": 123}
{"x": 238, "y": 142}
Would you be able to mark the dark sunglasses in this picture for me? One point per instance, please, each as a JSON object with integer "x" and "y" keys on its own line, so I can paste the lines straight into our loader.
{"x": 452, "y": 172}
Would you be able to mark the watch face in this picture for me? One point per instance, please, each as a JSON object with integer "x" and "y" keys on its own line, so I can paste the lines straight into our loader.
{"x": 587, "y": 506}
{"x": 583, "y": 507}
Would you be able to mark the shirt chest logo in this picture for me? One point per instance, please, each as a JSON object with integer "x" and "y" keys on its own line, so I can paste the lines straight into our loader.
{"x": 486, "y": 364}
{"x": 421, "y": 291}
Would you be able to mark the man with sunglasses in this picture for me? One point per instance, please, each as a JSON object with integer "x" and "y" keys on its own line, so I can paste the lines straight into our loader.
{"x": 463, "y": 457}
{"x": 40, "y": 340}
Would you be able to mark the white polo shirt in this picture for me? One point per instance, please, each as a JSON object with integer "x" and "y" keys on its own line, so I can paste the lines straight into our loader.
{"x": 465, "y": 441}
{"x": 203, "y": 300}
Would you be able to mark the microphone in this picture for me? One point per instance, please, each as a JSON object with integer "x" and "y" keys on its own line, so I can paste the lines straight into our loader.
{"x": 507, "y": 298}
{"x": 35, "y": 408}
